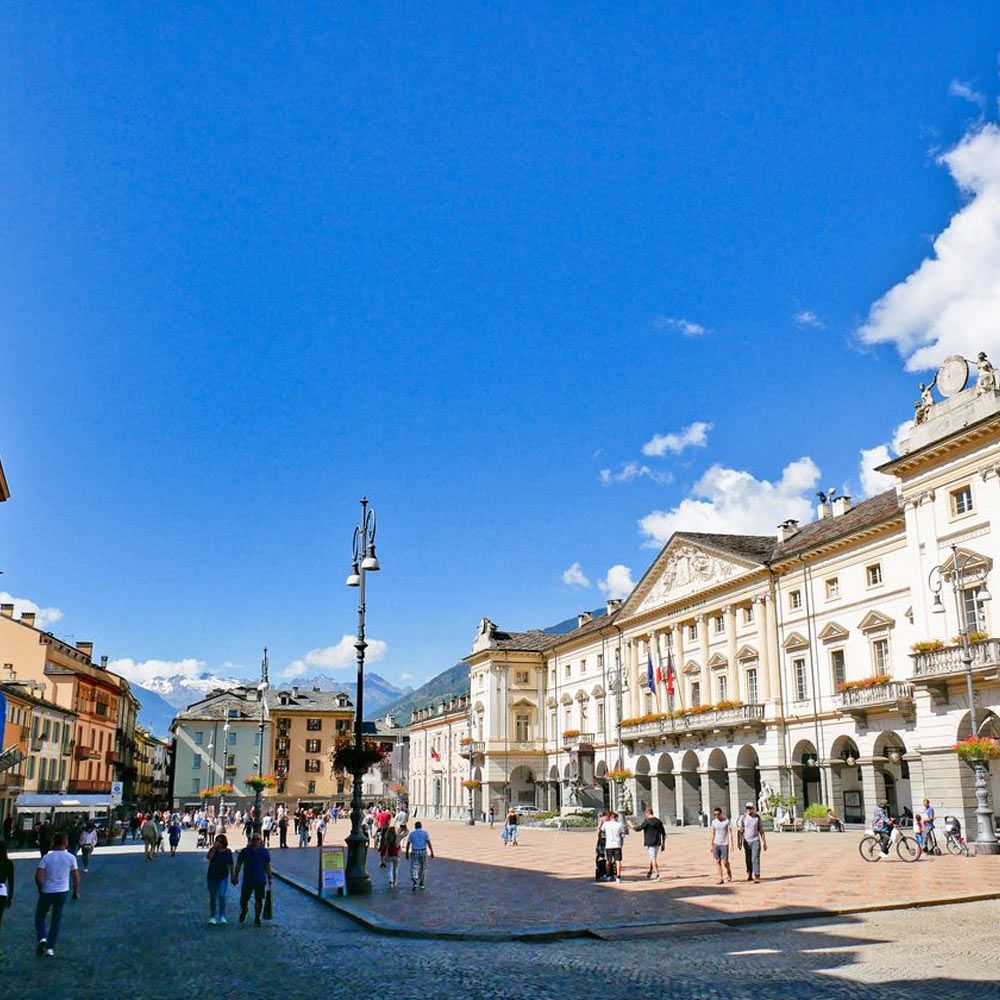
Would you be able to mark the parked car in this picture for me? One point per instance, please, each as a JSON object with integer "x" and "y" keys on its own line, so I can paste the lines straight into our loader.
{"x": 526, "y": 809}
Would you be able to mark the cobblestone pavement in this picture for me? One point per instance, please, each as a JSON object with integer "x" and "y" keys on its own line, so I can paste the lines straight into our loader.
{"x": 139, "y": 932}
{"x": 547, "y": 881}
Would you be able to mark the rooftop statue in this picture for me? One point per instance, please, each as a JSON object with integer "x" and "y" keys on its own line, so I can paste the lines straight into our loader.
{"x": 987, "y": 381}
{"x": 923, "y": 405}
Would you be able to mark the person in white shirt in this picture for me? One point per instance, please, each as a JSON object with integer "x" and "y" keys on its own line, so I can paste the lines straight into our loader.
{"x": 53, "y": 876}
{"x": 613, "y": 834}
{"x": 720, "y": 843}
{"x": 88, "y": 841}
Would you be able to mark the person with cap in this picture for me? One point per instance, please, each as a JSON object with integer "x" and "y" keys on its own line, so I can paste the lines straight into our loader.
{"x": 750, "y": 835}
{"x": 882, "y": 825}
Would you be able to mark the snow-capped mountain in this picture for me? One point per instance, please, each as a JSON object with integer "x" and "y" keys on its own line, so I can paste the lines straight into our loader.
{"x": 181, "y": 691}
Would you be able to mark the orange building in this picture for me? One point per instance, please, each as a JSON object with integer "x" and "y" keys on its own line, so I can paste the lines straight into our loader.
{"x": 16, "y": 745}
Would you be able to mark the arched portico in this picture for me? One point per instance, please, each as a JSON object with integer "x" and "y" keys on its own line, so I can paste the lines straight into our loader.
{"x": 806, "y": 779}
{"x": 717, "y": 781}
{"x": 892, "y": 771}
{"x": 744, "y": 779}
{"x": 664, "y": 793}
{"x": 643, "y": 785}
{"x": 846, "y": 785}
{"x": 689, "y": 788}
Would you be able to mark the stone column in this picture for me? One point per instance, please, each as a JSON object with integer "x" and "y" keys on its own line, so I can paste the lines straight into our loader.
{"x": 872, "y": 784}
{"x": 734, "y": 667}
{"x": 735, "y": 798}
{"x": 633, "y": 678}
{"x": 678, "y": 639}
{"x": 706, "y": 675}
{"x": 706, "y": 791}
{"x": 770, "y": 655}
{"x": 679, "y": 792}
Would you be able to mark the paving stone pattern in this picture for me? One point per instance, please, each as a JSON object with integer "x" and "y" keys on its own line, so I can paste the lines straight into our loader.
{"x": 548, "y": 881}
{"x": 140, "y": 932}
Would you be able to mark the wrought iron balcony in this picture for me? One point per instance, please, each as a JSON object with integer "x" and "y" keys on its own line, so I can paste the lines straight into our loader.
{"x": 112, "y": 757}
{"x": 85, "y": 753}
{"x": 85, "y": 786}
{"x": 738, "y": 717}
{"x": 934, "y": 668}
{"x": 888, "y": 696}
{"x": 578, "y": 741}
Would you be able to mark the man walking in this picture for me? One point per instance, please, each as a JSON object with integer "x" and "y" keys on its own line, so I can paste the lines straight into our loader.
{"x": 613, "y": 833}
{"x": 283, "y": 830}
{"x": 418, "y": 843}
{"x": 150, "y": 834}
{"x": 654, "y": 839}
{"x": 255, "y": 863}
{"x": 720, "y": 842}
{"x": 56, "y": 871}
{"x": 750, "y": 830}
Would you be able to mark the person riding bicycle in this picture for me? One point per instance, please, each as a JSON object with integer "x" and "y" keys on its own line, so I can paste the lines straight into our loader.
{"x": 882, "y": 825}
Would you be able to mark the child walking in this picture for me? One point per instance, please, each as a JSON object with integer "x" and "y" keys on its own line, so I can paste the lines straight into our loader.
{"x": 389, "y": 849}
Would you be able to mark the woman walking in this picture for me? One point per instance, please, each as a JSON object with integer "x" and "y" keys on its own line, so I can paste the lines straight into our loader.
{"x": 389, "y": 849}
{"x": 221, "y": 870}
{"x": 174, "y": 835}
{"x": 88, "y": 841}
{"x": 511, "y": 827}
{"x": 6, "y": 880}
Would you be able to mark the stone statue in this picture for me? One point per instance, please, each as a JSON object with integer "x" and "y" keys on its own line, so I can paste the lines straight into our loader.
{"x": 987, "y": 381}
{"x": 924, "y": 405}
{"x": 764, "y": 799}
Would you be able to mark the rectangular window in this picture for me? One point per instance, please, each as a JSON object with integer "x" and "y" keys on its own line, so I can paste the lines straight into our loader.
{"x": 256, "y": 738}
{"x": 723, "y": 687}
{"x": 583, "y": 666}
{"x": 233, "y": 713}
{"x": 600, "y": 716}
{"x": 230, "y": 760}
{"x": 832, "y": 588}
{"x": 568, "y": 717}
{"x": 880, "y": 656}
{"x": 801, "y": 679}
{"x": 195, "y": 786}
{"x": 310, "y": 787}
{"x": 693, "y": 631}
{"x": 312, "y": 765}
{"x": 720, "y": 624}
{"x": 752, "y": 695}
{"x": 795, "y": 599}
{"x": 600, "y": 661}
{"x": 552, "y": 676}
{"x": 521, "y": 728}
{"x": 553, "y": 722}
{"x": 961, "y": 501}
{"x": 312, "y": 746}
{"x": 873, "y": 574}
{"x": 521, "y": 676}
{"x": 232, "y": 738}
{"x": 748, "y": 615}
{"x": 695, "y": 694}
{"x": 972, "y": 612}
{"x": 568, "y": 670}
{"x": 314, "y": 725}
{"x": 838, "y": 666}
{"x": 196, "y": 763}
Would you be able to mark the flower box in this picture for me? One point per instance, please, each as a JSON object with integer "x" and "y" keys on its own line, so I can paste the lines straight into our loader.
{"x": 977, "y": 748}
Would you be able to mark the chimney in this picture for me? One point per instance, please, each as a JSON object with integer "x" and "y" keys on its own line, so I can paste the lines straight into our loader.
{"x": 87, "y": 648}
{"x": 823, "y": 510}
{"x": 787, "y": 529}
{"x": 28, "y": 618}
{"x": 295, "y": 690}
{"x": 841, "y": 506}
{"x": 583, "y": 618}
{"x": 8, "y": 669}
{"x": 613, "y": 605}
{"x": 104, "y": 662}
{"x": 7, "y": 610}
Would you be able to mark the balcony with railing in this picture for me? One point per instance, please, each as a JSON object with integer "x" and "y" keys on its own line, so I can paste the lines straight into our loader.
{"x": 859, "y": 700}
{"x": 10, "y": 780}
{"x": 86, "y": 753}
{"x": 515, "y": 746}
{"x": 88, "y": 786}
{"x": 471, "y": 748}
{"x": 112, "y": 757}
{"x": 577, "y": 741}
{"x": 696, "y": 723}
{"x": 934, "y": 668}
{"x": 50, "y": 786}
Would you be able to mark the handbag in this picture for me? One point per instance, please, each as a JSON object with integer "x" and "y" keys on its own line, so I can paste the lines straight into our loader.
{"x": 268, "y": 913}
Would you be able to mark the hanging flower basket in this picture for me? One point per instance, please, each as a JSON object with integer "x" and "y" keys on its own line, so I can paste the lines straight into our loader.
{"x": 568, "y": 734}
{"x": 397, "y": 789}
{"x": 260, "y": 782}
{"x": 347, "y": 758}
{"x": 472, "y": 784}
{"x": 220, "y": 790}
{"x": 620, "y": 774}
{"x": 977, "y": 748}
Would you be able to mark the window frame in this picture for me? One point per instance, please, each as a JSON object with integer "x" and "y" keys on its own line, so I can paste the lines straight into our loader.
{"x": 832, "y": 588}
{"x": 314, "y": 746}
{"x": 953, "y": 501}
{"x": 795, "y": 599}
{"x": 842, "y": 653}
{"x": 877, "y": 568}
{"x": 876, "y": 642}
{"x": 800, "y": 678}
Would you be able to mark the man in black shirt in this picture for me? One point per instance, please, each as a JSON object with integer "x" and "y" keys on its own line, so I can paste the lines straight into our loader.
{"x": 654, "y": 839}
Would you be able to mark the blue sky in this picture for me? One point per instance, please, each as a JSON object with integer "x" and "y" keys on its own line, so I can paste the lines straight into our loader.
{"x": 255, "y": 263}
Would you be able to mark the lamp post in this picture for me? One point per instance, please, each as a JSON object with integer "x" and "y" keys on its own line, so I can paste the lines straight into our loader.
{"x": 471, "y": 821}
{"x": 262, "y": 695}
{"x": 363, "y": 561}
{"x": 986, "y": 838}
{"x": 225, "y": 754}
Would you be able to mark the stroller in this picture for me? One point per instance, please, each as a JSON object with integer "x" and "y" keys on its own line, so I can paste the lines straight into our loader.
{"x": 600, "y": 860}
{"x": 202, "y": 836}
{"x": 953, "y": 836}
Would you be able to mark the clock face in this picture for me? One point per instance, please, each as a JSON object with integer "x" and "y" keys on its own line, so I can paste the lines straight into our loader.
{"x": 953, "y": 375}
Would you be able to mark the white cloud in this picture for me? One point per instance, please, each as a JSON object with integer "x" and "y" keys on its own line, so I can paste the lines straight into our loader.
{"x": 951, "y": 303}
{"x": 732, "y": 501}
{"x": 693, "y": 436}
{"x": 617, "y": 582}
{"x": 808, "y": 318}
{"x": 633, "y": 470}
{"x": 152, "y": 673}
{"x": 959, "y": 88}
{"x": 337, "y": 657}
{"x": 873, "y": 481}
{"x": 684, "y": 326}
{"x": 406, "y": 677}
{"x": 573, "y": 576}
{"x": 44, "y": 617}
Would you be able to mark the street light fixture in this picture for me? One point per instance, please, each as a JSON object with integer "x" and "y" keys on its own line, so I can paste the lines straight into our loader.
{"x": 262, "y": 695}
{"x": 986, "y": 838}
{"x": 363, "y": 561}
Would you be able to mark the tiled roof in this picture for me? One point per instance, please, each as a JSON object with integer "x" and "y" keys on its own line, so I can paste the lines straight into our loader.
{"x": 535, "y": 641}
{"x": 868, "y": 513}
{"x": 244, "y": 698}
{"x": 306, "y": 701}
{"x": 755, "y": 548}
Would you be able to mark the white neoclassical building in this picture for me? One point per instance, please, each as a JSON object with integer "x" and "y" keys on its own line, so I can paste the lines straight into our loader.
{"x": 821, "y": 661}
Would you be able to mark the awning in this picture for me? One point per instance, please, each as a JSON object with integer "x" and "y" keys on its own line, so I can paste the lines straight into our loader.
{"x": 37, "y": 802}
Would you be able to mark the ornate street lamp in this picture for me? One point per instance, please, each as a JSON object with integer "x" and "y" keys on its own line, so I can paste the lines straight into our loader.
{"x": 363, "y": 561}
{"x": 258, "y": 788}
{"x": 986, "y": 838}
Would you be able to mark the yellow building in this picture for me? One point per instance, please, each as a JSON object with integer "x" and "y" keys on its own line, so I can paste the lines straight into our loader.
{"x": 305, "y": 727}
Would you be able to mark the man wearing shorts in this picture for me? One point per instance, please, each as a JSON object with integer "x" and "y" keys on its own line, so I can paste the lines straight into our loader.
{"x": 613, "y": 832}
{"x": 654, "y": 839}
{"x": 720, "y": 841}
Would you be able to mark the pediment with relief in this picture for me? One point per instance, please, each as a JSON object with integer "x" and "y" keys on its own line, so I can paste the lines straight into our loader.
{"x": 683, "y": 569}
{"x": 832, "y": 632}
{"x": 795, "y": 640}
{"x": 875, "y": 620}
{"x": 717, "y": 662}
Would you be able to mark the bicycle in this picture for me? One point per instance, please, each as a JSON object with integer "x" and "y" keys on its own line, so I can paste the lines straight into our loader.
{"x": 954, "y": 840}
{"x": 907, "y": 849}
